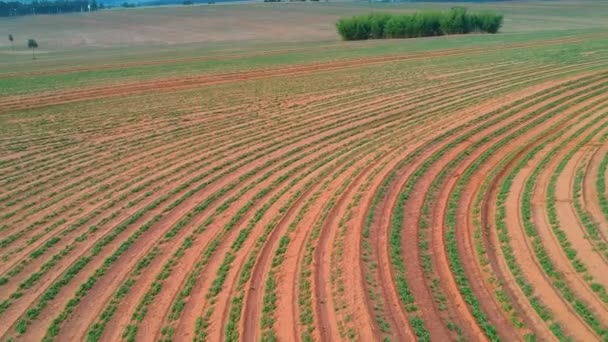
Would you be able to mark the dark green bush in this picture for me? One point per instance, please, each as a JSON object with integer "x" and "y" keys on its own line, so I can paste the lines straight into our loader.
{"x": 488, "y": 22}
{"x": 421, "y": 24}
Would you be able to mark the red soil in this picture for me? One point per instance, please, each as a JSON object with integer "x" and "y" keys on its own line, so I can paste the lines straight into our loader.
{"x": 387, "y": 122}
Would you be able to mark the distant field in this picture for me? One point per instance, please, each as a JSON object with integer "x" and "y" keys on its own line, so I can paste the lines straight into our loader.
{"x": 235, "y": 172}
{"x": 281, "y": 22}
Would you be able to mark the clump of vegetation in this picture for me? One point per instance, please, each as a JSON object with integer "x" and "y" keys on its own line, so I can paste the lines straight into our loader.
{"x": 32, "y": 44}
{"x": 421, "y": 24}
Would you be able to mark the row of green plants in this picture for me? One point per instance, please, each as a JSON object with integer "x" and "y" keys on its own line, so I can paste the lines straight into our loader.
{"x": 395, "y": 238}
{"x": 507, "y": 250}
{"x": 452, "y": 207}
{"x": 231, "y": 329}
{"x": 39, "y": 252}
{"x": 99, "y": 191}
{"x": 305, "y": 296}
{"x": 584, "y": 216}
{"x": 198, "y": 264}
{"x": 346, "y": 325}
{"x": 601, "y": 184}
{"x": 79, "y": 264}
{"x": 178, "y": 200}
{"x": 586, "y": 220}
{"x": 165, "y": 152}
{"x": 203, "y": 324}
{"x": 178, "y": 303}
{"x": 182, "y": 198}
{"x": 156, "y": 286}
{"x": 547, "y": 264}
{"x": 370, "y": 217}
{"x": 384, "y": 322}
{"x": 350, "y": 333}
{"x": 366, "y": 233}
{"x": 237, "y": 302}
{"x": 453, "y": 252}
{"x": 367, "y": 252}
{"x": 106, "y": 174}
{"x": 66, "y": 192}
{"x": 71, "y": 154}
{"x": 593, "y": 232}
{"x": 420, "y": 24}
{"x": 456, "y": 194}
{"x": 270, "y": 295}
{"x": 106, "y": 239}
{"x": 481, "y": 249}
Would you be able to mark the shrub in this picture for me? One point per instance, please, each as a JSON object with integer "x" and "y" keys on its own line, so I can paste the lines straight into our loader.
{"x": 487, "y": 22}
{"x": 421, "y": 24}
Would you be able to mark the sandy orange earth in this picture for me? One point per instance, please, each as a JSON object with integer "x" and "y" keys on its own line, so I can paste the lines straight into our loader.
{"x": 401, "y": 197}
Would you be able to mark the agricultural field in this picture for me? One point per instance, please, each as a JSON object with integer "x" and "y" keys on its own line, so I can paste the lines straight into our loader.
{"x": 265, "y": 181}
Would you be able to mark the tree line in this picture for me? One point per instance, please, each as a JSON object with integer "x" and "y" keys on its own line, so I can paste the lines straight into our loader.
{"x": 420, "y": 24}
{"x": 15, "y": 8}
